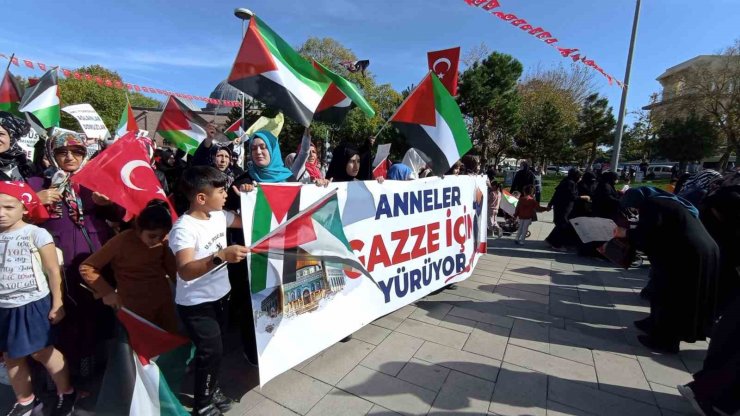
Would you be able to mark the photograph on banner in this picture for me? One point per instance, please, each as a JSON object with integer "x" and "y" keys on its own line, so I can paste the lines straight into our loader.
{"x": 426, "y": 234}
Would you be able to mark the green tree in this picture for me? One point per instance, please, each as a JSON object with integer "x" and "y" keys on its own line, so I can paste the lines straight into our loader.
{"x": 490, "y": 102}
{"x": 638, "y": 141}
{"x": 687, "y": 140}
{"x": 595, "y": 126}
{"x": 108, "y": 102}
{"x": 545, "y": 133}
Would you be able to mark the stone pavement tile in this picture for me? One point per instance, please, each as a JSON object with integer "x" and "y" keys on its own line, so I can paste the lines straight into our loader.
{"x": 614, "y": 334}
{"x": 664, "y": 369}
{"x": 487, "y": 318}
{"x": 462, "y": 289}
{"x": 519, "y": 391}
{"x": 622, "y": 376}
{"x": 491, "y": 278}
{"x": 305, "y": 362}
{"x": 516, "y": 309}
{"x": 248, "y": 402}
{"x": 336, "y": 361}
{"x": 298, "y": 392}
{"x": 430, "y": 312}
{"x": 524, "y": 284}
{"x": 389, "y": 392}
{"x": 490, "y": 266}
{"x": 584, "y": 397}
{"x": 565, "y": 307}
{"x": 527, "y": 279}
{"x": 268, "y": 408}
{"x": 341, "y": 403}
{"x": 458, "y": 324}
{"x": 514, "y": 293}
{"x": 381, "y": 411}
{"x": 394, "y": 319}
{"x": 463, "y": 395}
{"x": 372, "y": 334}
{"x": 424, "y": 374}
{"x": 532, "y": 335}
{"x": 465, "y": 362}
{"x": 392, "y": 354}
{"x": 433, "y": 333}
{"x": 528, "y": 270}
{"x": 488, "y": 340}
{"x": 565, "y": 291}
{"x": 528, "y": 262}
{"x": 561, "y": 265}
{"x": 549, "y": 364}
{"x": 670, "y": 398}
{"x": 557, "y": 409}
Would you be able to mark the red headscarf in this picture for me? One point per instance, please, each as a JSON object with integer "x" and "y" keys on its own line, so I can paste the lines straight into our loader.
{"x": 22, "y": 192}
{"x": 312, "y": 168}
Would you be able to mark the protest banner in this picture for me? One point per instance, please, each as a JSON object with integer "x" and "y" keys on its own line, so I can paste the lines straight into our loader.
{"x": 89, "y": 120}
{"x": 591, "y": 229}
{"x": 412, "y": 237}
{"x": 28, "y": 143}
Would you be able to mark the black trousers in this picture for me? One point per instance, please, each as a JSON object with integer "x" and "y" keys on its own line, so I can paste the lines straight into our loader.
{"x": 205, "y": 324}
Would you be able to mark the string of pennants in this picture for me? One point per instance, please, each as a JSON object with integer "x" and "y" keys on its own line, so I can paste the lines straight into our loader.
{"x": 105, "y": 82}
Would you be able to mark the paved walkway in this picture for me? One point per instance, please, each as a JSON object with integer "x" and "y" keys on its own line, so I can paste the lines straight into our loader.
{"x": 532, "y": 332}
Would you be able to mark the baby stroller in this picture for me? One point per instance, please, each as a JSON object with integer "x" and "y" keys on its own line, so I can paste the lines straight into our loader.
{"x": 509, "y": 225}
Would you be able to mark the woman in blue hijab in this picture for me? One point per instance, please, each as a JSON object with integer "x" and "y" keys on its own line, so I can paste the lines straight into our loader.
{"x": 399, "y": 172}
{"x": 684, "y": 262}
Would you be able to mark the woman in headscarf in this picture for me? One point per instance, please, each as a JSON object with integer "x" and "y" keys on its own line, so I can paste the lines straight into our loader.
{"x": 78, "y": 226}
{"x": 697, "y": 186}
{"x": 13, "y": 163}
{"x": 684, "y": 261}
{"x": 311, "y": 171}
{"x": 717, "y": 385}
{"x": 566, "y": 194}
{"x": 168, "y": 165}
{"x": 345, "y": 164}
{"x": 606, "y": 198}
{"x": 400, "y": 172}
{"x": 586, "y": 187}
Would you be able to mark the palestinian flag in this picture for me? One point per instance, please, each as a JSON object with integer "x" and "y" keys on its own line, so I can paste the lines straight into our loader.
{"x": 10, "y": 94}
{"x": 431, "y": 121}
{"x": 273, "y": 206}
{"x": 508, "y": 202}
{"x": 181, "y": 125}
{"x": 268, "y": 69}
{"x": 341, "y": 97}
{"x": 315, "y": 233}
{"x": 235, "y": 130}
{"x": 127, "y": 123}
{"x": 134, "y": 384}
{"x": 41, "y": 102}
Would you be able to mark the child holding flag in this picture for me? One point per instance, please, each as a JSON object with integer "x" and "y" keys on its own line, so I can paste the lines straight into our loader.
{"x": 29, "y": 304}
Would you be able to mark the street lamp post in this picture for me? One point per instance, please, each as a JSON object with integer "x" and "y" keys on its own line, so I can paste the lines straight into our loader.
{"x": 623, "y": 104}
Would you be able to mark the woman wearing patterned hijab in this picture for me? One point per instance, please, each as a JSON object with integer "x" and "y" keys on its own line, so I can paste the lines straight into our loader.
{"x": 13, "y": 163}
{"x": 78, "y": 226}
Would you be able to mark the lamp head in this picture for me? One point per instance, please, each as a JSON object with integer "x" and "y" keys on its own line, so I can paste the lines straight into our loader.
{"x": 243, "y": 13}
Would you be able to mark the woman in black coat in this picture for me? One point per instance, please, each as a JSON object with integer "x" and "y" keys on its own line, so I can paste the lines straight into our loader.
{"x": 606, "y": 198}
{"x": 684, "y": 261}
{"x": 14, "y": 166}
{"x": 566, "y": 194}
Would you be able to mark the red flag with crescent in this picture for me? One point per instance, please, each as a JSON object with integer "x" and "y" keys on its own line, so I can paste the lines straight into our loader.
{"x": 444, "y": 63}
{"x": 123, "y": 173}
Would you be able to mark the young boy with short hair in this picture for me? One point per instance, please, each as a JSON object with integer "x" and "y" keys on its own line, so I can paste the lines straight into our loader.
{"x": 526, "y": 210}
{"x": 29, "y": 304}
{"x": 198, "y": 240}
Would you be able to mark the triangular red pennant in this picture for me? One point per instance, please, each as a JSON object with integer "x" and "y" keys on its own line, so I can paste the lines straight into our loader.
{"x": 419, "y": 106}
{"x": 280, "y": 198}
{"x": 146, "y": 339}
{"x": 253, "y": 58}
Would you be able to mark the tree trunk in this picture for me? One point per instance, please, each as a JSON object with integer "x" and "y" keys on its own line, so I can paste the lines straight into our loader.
{"x": 591, "y": 157}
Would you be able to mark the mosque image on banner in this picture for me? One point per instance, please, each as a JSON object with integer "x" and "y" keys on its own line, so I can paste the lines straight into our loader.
{"x": 315, "y": 281}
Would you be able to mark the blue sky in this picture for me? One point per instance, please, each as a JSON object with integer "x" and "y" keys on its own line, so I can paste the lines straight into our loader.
{"x": 188, "y": 46}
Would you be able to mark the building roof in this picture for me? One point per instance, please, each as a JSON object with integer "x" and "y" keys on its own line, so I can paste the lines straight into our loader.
{"x": 224, "y": 91}
{"x": 687, "y": 64}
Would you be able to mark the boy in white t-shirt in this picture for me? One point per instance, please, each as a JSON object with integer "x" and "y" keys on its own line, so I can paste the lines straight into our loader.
{"x": 29, "y": 305}
{"x": 198, "y": 240}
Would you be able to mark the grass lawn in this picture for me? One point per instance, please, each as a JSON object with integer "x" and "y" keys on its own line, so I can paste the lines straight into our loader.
{"x": 549, "y": 182}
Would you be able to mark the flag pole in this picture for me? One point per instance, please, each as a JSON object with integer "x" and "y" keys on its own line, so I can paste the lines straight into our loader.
{"x": 10, "y": 60}
{"x": 399, "y": 107}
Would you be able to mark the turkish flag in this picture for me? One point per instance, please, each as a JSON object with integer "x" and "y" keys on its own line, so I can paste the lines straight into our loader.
{"x": 122, "y": 173}
{"x": 444, "y": 63}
